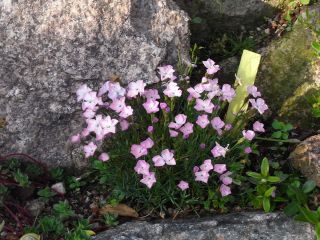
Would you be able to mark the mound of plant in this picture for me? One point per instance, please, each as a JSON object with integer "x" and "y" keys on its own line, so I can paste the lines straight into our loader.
{"x": 170, "y": 145}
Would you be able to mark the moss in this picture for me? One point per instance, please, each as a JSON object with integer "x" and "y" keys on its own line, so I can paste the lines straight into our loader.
{"x": 289, "y": 71}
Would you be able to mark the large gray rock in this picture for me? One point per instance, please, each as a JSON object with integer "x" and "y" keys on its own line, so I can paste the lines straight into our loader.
{"x": 49, "y": 48}
{"x": 228, "y": 15}
{"x": 238, "y": 226}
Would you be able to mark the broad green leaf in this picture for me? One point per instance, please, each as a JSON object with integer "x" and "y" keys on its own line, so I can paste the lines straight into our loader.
{"x": 266, "y": 204}
{"x": 265, "y": 167}
{"x": 273, "y": 179}
{"x": 316, "y": 46}
{"x": 291, "y": 209}
{"x": 197, "y": 20}
{"x": 254, "y": 175}
{"x": 276, "y": 134}
{"x": 308, "y": 186}
{"x": 288, "y": 127}
{"x": 277, "y": 125}
{"x": 310, "y": 216}
{"x": 285, "y": 136}
{"x": 269, "y": 192}
{"x": 317, "y": 228}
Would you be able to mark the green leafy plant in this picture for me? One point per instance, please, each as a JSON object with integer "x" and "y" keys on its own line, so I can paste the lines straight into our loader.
{"x": 81, "y": 231}
{"x": 281, "y": 130}
{"x": 46, "y": 194}
{"x": 75, "y": 183}
{"x": 298, "y": 205}
{"x": 264, "y": 186}
{"x": 21, "y": 178}
{"x": 50, "y": 225}
{"x": 110, "y": 220}
{"x": 63, "y": 210}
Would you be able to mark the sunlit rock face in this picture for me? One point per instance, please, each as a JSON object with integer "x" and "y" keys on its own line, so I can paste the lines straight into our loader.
{"x": 49, "y": 48}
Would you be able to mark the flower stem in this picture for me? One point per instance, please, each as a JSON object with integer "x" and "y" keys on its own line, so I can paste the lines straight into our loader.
{"x": 279, "y": 140}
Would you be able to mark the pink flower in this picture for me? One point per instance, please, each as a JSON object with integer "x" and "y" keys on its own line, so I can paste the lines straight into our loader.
{"x": 89, "y": 113}
{"x": 151, "y": 106}
{"x": 187, "y": 129}
{"x": 108, "y": 125}
{"x": 248, "y": 150}
{"x": 102, "y": 125}
{"x": 115, "y": 90}
{"x": 195, "y": 169}
{"x": 202, "y": 176}
{"x": 219, "y": 151}
{"x": 158, "y": 161}
{"x": 126, "y": 112}
{"x": 203, "y": 120}
{"x": 148, "y": 143}
{"x": 152, "y": 94}
{"x": 168, "y": 157}
{"x": 220, "y": 168}
{"x": 217, "y": 124}
{"x": 104, "y": 89}
{"x": 253, "y": 90}
{"x": 172, "y": 90}
{"x": 211, "y": 67}
{"x": 118, "y": 104}
{"x": 226, "y": 180}
{"x": 90, "y": 101}
{"x": 180, "y": 119}
{"x": 196, "y": 91}
{"x": 142, "y": 167}
{"x": 89, "y": 149}
{"x": 225, "y": 190}
{"x": 173, "y": 133}
{"x": 248, "y": 134}
{"x": 202, "y": 146}
{"x": 163, "y": 105}
{"x": 104, "y": 157}
{"x": 183, "y": 185}
{"x": 174, "y": 125}
{"x": 155, "y": 120}
{"x": 75, "y": 138}
{"x": 138, "y": 151}
{"x": 259, "y": 104}
{"x": 206, "y": 166}
{"x": 149, "y": 179}
{"x": 228, "y": 93}
{"x": 227, "y": 127}
{"x": 124, "y": 124}
{"x": 135, "y": 88}
{"x": 204, "y": 105}
{"x": 85, "y": 132}
{"x": 82, "y": 91}
{"x": 258, "y": 127}
{"x": 166, "y": 72}
{"x": 150, "y": 129}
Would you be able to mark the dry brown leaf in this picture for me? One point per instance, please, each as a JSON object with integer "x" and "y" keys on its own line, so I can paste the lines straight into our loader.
{"x": 120, "y": 209}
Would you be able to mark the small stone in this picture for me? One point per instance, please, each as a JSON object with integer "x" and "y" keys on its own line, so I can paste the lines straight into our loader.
{"x": 59, "y": 188}
{"x": 267, "y": 31}
{"x": 306, "y": 158}
{"x": 35, "y": 207}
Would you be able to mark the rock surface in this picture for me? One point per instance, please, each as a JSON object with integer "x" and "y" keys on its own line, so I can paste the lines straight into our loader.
{"x": 289, "y": 74}
{"x": 306, "y": 158}
{"x": 49, "y": 48}
{"x": 227, "y": 15}
{"x": 238, "y": 226}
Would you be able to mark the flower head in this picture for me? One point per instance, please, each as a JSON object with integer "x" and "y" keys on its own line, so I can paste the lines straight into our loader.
{"x": 166, "y": 72}
{"x": 115, "y": 90}
{"x": 202, "y": 176}
{"x": 183, "y": 185}
{"x": 196, "y": 91}
{"x": 148, "y": 143}
{"x": 152, "y": 94}
{"x": 225, "y": 190}
{"x": 118, "y": 104}
{"x": 219, "y": 151}
{"x": 220, "y": 168}
{"x": 149, "y": 179}
{"x": 253, "y": 90}
{"x": 172, "y": 90}
{"x": 104, "y": 157}
{"x": 137, "y": 150}
{"x": 258, "y": 127}
{"x": 204, "y": 105}
{"x": 135, "y": 88}
{"x": 75, "y": 138}
{"x": 168, "y": 157}
{"x": 217, "y": 124}
{"x": 82, "y": 91}
{"x": 158, "y": 161}
{"x": 203, "y": 120}
{"x": 187, "y": 129}
{"x": 211, "y": 67}
{"x": 142, "y": 167}
{"x": 247, "y": 150}
{"x": 89, "y": 149}
{"x": 248, "y": 134}
{"x": 206, "y": 166}
{"x": 259, "y": 104}
{"x": 228, "y": 93}
{"x": 225, "y": 178}
{"x": 124, "y": 125}
{"x": 151, "y": 106}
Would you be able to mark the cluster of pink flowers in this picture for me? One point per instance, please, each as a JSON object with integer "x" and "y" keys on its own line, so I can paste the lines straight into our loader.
{"x": 203, "y": 99}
